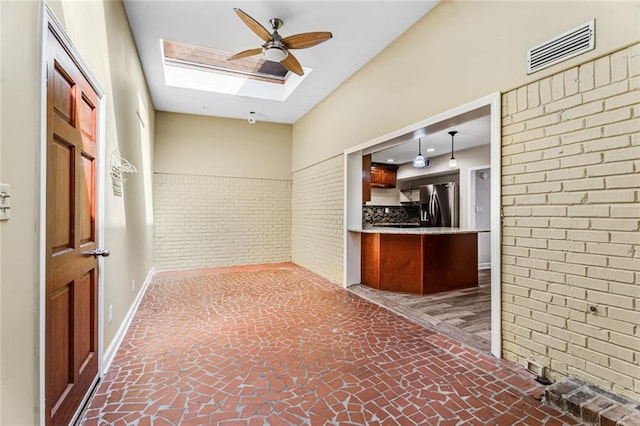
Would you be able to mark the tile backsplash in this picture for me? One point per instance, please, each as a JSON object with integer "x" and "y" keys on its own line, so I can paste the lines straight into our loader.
{"x": 390, "y": 214}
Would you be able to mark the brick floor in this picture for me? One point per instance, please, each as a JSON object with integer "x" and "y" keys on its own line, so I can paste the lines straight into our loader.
{"x": 279, "y": 345}
{"x": 592, "y": 404}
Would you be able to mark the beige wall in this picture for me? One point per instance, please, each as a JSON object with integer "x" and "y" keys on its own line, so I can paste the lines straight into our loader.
{"x": 214, "y": 146}
{"x": 317, "y": 218}
{"x": 208, "y": 221}
{"x": 101, "y": 34}
{"x": 458, "y": 52}
{"x": 222, "y": 192}
{"x": 571, "y": 192}
{"x": 384, "y": 197}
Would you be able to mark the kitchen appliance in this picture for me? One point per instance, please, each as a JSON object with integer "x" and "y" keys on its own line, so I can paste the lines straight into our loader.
{"x": 440, "y": 205}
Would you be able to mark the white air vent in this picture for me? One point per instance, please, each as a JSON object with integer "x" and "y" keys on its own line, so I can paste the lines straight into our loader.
{"x": 560, "y": 48}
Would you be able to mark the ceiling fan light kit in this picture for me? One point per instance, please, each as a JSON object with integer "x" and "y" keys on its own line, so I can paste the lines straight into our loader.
{"x": 276, "y": 48}
{"x": 274, "y": 53}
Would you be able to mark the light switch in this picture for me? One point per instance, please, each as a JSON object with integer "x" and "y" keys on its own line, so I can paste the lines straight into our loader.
{"x": 5, "y": 201}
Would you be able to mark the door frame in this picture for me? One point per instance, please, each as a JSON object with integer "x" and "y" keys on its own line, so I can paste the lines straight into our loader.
{"x": 353, "y": 202}
{"x": 471, "y": 184}
{"x": 48, "y": 21}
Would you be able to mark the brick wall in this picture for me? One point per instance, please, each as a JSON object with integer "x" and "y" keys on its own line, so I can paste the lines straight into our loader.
{"x": 208, "y": 221}
{"x": 317, "y": 218}
{"x": 571, "y": 157}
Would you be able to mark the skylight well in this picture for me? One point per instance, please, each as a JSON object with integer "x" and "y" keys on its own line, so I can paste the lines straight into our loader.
{"x": 199, "y": 68}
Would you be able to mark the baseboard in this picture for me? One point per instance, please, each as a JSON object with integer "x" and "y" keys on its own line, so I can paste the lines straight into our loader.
{"x": 485, "y": 265}
{"x": 110, "y": 353}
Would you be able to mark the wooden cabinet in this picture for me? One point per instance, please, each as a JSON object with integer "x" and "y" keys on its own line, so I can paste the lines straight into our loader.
{"x": 419, "y": 264}
{"x": 383, "y": 175}
{"x": 376, "y": 175}
{"x": 366, "y": 178}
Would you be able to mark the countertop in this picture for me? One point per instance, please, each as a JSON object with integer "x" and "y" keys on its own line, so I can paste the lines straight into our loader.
{"x": 417, "y": 230}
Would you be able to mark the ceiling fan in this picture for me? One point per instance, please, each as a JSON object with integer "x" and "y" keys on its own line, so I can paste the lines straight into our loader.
{"x": 277, "y": 48}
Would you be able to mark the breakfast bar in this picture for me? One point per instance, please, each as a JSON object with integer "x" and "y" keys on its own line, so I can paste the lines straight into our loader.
{"x": 420, "y": 260}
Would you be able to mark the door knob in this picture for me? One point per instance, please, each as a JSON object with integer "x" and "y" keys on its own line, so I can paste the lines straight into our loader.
{"x": 98, "y": 252}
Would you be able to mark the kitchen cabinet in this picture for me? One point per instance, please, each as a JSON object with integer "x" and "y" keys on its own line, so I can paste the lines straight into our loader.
{"x": 366, "y": 178}
{"x": 419, "y": 263}
{"x": 383, "y": 175}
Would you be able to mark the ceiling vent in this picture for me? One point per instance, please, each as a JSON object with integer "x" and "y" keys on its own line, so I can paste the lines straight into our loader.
{"x": 560, "y": 48}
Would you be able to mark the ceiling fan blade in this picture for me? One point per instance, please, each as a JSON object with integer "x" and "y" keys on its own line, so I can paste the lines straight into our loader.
{"x": 304, "y": 40}
{"x": 254, "y": 25}
{"x": 245, "y": 53}
{"x": 292, "y": 64}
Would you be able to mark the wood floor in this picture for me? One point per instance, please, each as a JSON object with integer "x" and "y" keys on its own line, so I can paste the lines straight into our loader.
{"x": 464, "y": 315}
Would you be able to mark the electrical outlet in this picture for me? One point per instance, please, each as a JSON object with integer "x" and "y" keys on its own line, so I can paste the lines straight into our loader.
{"x": 110, "y": 314}
{"x": 133, "y": 285}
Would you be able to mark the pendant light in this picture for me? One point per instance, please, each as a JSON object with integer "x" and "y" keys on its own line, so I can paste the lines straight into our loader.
{"x": 420, "y": 161}
{"x": 453, "y": 163}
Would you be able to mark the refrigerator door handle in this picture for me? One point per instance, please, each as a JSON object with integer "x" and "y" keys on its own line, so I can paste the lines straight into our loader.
{"x": 431, "y": 212}
{"x": 435, "y": 210}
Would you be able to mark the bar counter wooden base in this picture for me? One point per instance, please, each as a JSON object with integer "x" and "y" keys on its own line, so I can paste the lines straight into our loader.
{"x": 419, "y": 263}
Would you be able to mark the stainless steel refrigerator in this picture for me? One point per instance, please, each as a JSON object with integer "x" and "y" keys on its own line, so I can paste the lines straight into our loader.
{"x": 440, "y": 205}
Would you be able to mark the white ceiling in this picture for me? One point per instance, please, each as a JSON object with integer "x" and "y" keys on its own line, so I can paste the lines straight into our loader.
{"x": 361, "y": 29}
{"x": 474, "y": 129}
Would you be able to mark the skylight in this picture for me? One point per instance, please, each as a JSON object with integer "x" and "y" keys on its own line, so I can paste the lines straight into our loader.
{"x": 199, "y": 68}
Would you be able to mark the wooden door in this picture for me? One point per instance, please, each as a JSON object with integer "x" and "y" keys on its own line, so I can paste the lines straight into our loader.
{"x": 71, "y": 358}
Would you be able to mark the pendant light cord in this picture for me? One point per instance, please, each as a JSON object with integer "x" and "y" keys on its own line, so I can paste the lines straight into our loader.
{"x": 453, "y": 163}
{"x": 452, "y": 133}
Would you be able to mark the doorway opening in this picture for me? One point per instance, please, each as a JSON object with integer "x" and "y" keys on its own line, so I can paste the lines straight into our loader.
{"x": 480, "y": 212}
{"x": 478, "y": 174}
